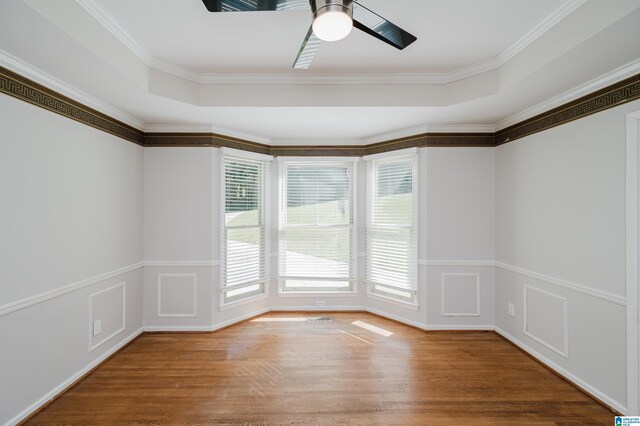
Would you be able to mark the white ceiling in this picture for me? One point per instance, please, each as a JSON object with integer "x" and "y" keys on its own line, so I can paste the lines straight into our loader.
{"x": 165, "y": 65}
{"x": 452, "y": 34}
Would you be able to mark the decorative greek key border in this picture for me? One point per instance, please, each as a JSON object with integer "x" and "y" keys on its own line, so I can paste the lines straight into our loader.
{"x": 611, "y": 96}
{"x": 24, "y": 89}
{"x": 614, "y": 95}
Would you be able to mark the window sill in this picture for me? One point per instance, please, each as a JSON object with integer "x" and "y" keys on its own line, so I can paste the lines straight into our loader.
{"x": 407, "y": 305}
{"x": 317, "y": 294}
{"x": 241, "y": 302}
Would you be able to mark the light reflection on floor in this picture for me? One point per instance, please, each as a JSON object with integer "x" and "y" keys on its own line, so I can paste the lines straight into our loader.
{"x": 344, "y": 333}
{"x": 373, "y": 328}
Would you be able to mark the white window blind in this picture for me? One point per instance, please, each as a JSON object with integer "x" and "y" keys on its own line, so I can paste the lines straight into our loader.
{"x": 244, "y": 247}
{"x": 391, "y": 266}
{"x": 316, "y": 226}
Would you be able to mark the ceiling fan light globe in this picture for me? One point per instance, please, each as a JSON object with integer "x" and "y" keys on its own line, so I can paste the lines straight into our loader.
{"x": 332, "y": 25}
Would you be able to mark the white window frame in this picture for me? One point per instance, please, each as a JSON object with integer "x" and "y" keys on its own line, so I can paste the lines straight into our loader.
{"x": 266, "y": 196}
{"x": 373, "y": 160}
{"x": 352, "y": 290}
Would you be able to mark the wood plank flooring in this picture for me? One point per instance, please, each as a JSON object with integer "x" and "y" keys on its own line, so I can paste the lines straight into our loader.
{"x": 278, "y": 370}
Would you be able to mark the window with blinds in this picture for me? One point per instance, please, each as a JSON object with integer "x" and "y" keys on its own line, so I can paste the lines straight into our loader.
{"x": 244, "y": 248}
{"x": 316, "y": 226}
{"x": 391, "y": 265}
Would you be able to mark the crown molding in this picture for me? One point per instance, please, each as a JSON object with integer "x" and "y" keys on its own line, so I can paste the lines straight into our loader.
{"x": 460, "y": 140}
{"x": 567, "y": 8}
{"x": 622, "y": 92}
{"x": 612, "y": 95}
{"x": 17, "y": 86}
{"x": 416, "y": 141}
{"x": 205, "y": 128}
{"x": 206, "y": 135}
{"x": 293, "y": 78}
{"x": 175, "y": 70}
{"x": 35, "y": 75}
{"x": 432, "y": 139}
{"x": 318, "y": 151}
{"x": 107, "y": 21}
{"x": 398, "y": 134}
{"x": 411, "y": 132}
{"x": 492, "y": 64}
{"x": 178, "y": 128}
{"x": 317, "y": 142}
{"x": 207, "y": 139}
{"x": 462, "y": 128}
{"x": 612, "y": 77}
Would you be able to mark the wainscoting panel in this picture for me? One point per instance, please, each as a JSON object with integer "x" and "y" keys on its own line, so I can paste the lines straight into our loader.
{"x": 460, "y": 294}
{"x": 60, "y": 346}
{"x": 108, "y": 307}
{"x": 579, "y": 333}
{"x": 546, "y": 320}
{"x": 177, "y": 295}
{"x": 184, "y": 296}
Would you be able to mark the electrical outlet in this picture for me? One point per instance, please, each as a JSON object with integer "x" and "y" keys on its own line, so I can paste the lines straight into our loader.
{"x": 319, "y": 302}
{"x": 97, "y": 327}
{"x": 512, "y": 309}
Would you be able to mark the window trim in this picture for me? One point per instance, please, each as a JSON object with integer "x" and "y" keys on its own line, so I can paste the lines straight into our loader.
{"x": 263, "y": 292}
{"x": 352, "y": 290}
{"x": 372, "y": 161}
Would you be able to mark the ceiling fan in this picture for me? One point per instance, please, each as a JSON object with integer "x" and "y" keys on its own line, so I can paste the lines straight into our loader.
{"x": 332, "y": 21}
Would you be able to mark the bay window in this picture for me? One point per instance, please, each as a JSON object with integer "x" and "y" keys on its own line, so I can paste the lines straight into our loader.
{"x": 244, "y": 231}
{"x": 317, "y": 240}
{"x": 391, "y": 264}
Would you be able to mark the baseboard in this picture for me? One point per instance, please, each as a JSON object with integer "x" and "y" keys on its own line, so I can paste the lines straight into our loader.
{"x": 594, "y": 393}
{"x": 397, "y": 318}
{"x": 235, "y": 320}
{"x": 58, "y": 390}
{"x": 203, "y": 328}
{"x": 238, "y": 319}
{"x": 177, "y": 328}
{"x": 456, "y": 327}
{"x": 317, "y": 308}
{"x": 61, "y": 388}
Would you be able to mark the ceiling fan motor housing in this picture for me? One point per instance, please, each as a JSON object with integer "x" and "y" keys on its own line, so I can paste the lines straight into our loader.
{"x": 322, "y": 6}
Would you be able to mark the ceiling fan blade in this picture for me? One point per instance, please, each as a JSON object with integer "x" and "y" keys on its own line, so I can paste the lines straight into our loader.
{"x": 307, "y": 51}
{"x": 254, "y": 5}
{"x": 375, "y": 25}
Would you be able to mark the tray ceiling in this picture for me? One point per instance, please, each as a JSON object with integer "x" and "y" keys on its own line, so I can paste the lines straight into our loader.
{"x": 166, "y": 65}
{"x": 451, "y": 35}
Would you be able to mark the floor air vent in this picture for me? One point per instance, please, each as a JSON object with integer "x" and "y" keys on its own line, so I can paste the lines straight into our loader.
{"x": 319, "y": 318}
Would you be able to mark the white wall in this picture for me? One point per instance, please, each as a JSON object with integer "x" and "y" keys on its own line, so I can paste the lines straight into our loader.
{"x": 178, "y": 231}
{"x": 633, "y": 254}
{"x": 456, "y": 202}
{"x": 182, "y": 241}
{"x": 80, "y": 207}
{"x": 70, "y": 234}
{"x": 456, "y": 219}
{"x": 460, "y": 237}
{"x": 560, "y": 215}
{"x": 456, "y": 241}
{"x": 178, "y": 204}
{"x": 460, "y": 204}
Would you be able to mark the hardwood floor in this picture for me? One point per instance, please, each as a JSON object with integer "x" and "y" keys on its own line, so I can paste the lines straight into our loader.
{"x": 276, "y": 370}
